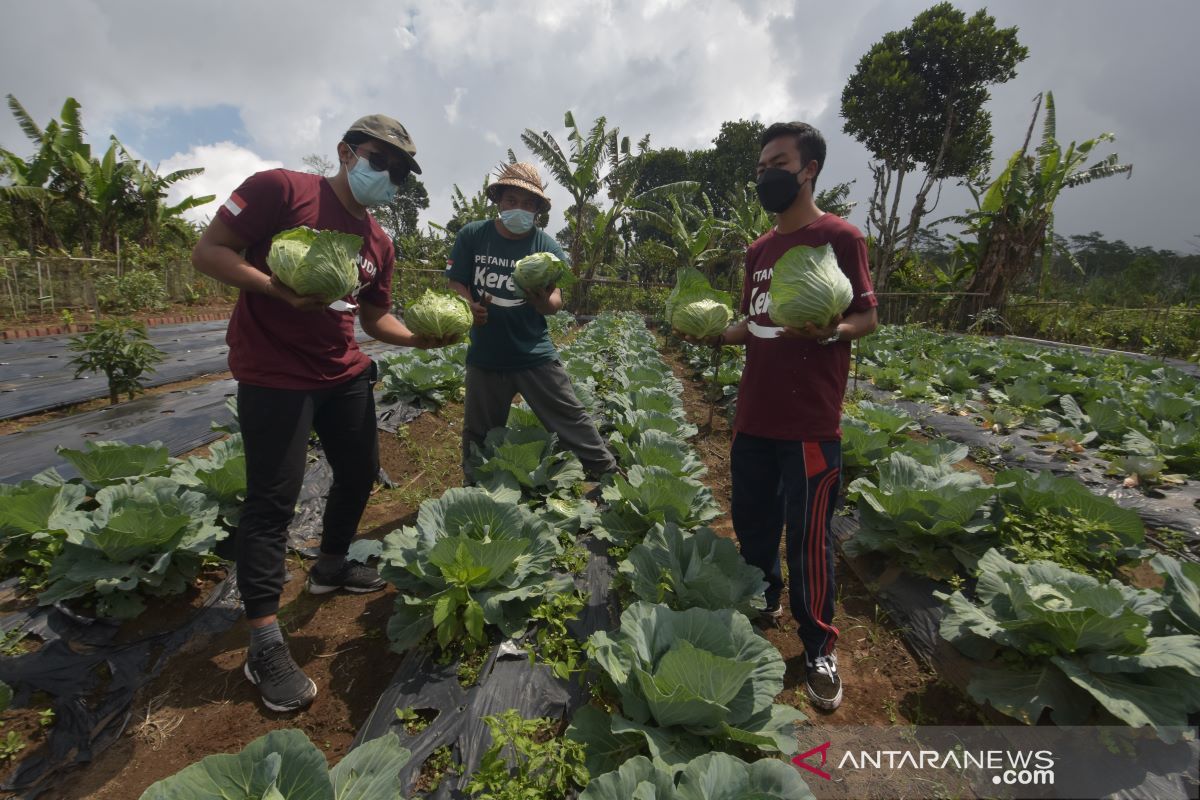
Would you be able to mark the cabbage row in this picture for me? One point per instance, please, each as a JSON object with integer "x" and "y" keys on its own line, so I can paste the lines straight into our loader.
{"x": 1143, "y": 417}
{"x": 685, "y": 677}
{"x": 1037, "y": 558}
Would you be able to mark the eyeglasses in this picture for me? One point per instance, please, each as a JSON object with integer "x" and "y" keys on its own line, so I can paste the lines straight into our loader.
{"x": 380, "y": 163}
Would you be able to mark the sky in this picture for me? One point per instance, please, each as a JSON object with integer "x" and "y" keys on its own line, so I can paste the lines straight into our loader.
{"x": 236, "y": 87}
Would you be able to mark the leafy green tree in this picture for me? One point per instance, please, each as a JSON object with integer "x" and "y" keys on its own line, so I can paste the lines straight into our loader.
{"x": 401, "y": 217}
{"x": 916, "y": 100}
{"x": 1014, "y": 223}
{"x": 121, "y": 350}
{"x": 726, "y": 167}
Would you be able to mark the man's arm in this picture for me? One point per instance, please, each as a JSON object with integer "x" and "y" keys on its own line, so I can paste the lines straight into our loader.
{"x": 218, "y": 255}
{"x": 546, "y": 302}
{"x": 380, "y": 324}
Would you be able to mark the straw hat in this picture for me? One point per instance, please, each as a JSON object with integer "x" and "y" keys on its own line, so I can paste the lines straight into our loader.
{"x": 522, "y": 175}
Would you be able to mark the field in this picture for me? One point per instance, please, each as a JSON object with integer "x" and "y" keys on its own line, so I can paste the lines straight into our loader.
{"x": 1009, "y": 484}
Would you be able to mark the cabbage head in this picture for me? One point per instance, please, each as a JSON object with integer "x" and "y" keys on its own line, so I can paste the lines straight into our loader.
{"x": 808, "y": 286}
{"x": 321, "y": 263}
{"x": 439, "y": 314}
{"x": 695, "y": 308}
{"x": 539, "y": 270}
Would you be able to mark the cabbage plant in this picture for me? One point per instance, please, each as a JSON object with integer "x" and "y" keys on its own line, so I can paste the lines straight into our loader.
{"x": 439, "y": 315}
{"x": 696, "y": 570}
{"x": 535, "y": 272}
{"x": 526, "y": 459}
{"x": 695, "y": 308}
{"x": 808, "y": 286}
{"x": 285, "y": 765}
{"x": 689, "y": 682}
{"x": 712, "y": 776}
{"x": 145, "y": 538}
{"x": 649, "y": 496}
{"x": 321, "y": 263}
{"x": 1050, "y": 638}
{"x": 471, "y": 560}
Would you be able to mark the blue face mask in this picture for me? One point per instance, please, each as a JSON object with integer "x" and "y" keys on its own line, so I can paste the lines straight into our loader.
{"x": 370, "y": 188}
{"x": 517, "y": 220}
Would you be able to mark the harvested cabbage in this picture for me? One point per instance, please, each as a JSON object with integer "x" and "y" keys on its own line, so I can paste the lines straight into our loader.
{"x": 438, "y": 314}
{"x": 535, "y": 272}
{"x": 695, "y": 308}
{"x": 321, "y": 263}
{"x": 808, "y": 286}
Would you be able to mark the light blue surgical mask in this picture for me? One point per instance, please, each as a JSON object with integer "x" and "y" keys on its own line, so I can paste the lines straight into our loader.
{"x": 370, "y": 188}
{"x": 517, "y": 220}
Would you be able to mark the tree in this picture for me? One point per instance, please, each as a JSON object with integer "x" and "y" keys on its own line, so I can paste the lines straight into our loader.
{"x": 726, "y": 167}
{"x": 401, "y": 216}
{"x": 318, "y": 164}
{"x": 1014, "y": 223}
{"x": 916, "y": 100}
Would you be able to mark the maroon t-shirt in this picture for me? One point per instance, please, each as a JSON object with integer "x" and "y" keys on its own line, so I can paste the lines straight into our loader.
{"x": 792, "y": 388}
{"x": 270, "y": 343}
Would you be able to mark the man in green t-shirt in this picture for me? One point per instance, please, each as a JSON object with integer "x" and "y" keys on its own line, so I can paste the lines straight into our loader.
{"x": 511, "y": 352}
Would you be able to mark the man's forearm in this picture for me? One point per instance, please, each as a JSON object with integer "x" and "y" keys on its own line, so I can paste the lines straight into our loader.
{"x": 736, "y": 334}
{"x": 388, "y": 330}
{"x": 858, "y": 325}
{"x": 227, "y": 266}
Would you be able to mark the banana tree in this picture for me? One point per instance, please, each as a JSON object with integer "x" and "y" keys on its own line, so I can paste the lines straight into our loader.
{"x": 1014, "y": 223}
{"x": 32, "y": 202}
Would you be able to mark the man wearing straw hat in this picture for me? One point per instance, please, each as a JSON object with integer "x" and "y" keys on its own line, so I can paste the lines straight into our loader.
{"x": 510, "y": 349}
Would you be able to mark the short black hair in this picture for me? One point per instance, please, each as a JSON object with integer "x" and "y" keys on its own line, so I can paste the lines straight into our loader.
{"x": 355, "y": 138}
{"x": 809, "y": 142}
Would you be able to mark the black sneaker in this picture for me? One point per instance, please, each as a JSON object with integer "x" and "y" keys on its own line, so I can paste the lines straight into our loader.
{"x": 282, "y": 684}
{"x": 823, "y": 684}
{"x": 352, "y": 576}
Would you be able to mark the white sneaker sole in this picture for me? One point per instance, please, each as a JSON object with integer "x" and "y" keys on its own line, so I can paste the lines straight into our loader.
{"x": 299, "y": 704}
{"x": 823, "y": 703}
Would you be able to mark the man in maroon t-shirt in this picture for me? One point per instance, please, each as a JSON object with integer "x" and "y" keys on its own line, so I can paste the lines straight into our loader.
{"x": 300, "y": 369}
{"x": 786, "y": 456}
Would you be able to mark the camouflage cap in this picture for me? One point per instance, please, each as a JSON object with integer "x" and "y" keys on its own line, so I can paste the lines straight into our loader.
{"x": 388, "y": 131}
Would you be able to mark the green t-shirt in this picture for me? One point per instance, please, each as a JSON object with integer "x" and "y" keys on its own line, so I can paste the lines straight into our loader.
{"x": 515, "y": 335}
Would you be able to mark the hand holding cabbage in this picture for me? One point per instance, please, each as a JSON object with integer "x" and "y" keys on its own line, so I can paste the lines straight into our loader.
{"x": 808, "y": 288}
{"x": 541, "y": 273}
{"x": 315, "y": 264}
{"x": 695, "y": 309}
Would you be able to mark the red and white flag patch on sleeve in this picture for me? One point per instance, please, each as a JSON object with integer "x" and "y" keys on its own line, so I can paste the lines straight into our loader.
{"x": 234, "y": 204}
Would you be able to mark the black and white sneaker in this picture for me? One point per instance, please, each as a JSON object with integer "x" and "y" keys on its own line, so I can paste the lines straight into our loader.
{"x": 823, "y": 684}
{"x": 280, "y": 681}
{"x": 352, "y": 576}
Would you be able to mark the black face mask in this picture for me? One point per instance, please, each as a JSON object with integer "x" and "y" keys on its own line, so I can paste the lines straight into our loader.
{"x": 777, "y": 189}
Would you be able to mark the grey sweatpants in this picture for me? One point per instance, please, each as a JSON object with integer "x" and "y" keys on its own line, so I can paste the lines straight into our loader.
{"x": 547, "y": 389}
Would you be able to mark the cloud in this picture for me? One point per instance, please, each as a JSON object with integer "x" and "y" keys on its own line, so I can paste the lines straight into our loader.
{"x": 225, "y": 165}
{"x": 452, "y": 107}
{"x": 467, "y": 77}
